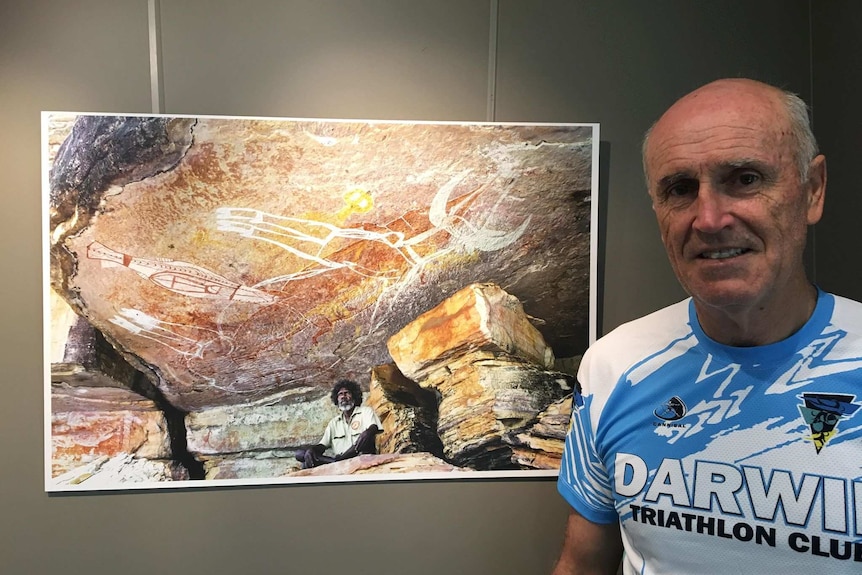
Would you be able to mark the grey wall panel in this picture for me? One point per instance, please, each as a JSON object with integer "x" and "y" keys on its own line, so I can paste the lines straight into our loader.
{"x": 385, "y": 59}
{"x": 87, "y": 55}
{"x": 94, "y": 56}
{"x": 837, "y": 31}
{"x": 621, "y": 63}
{"x": 391, "y": 529}
{"x": 615, "y": 62}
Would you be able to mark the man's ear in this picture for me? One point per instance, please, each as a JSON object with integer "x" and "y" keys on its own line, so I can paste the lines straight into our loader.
{"x": 816, "y": 188}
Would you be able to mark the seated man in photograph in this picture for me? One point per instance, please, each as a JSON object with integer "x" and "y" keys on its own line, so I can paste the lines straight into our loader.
{"x": 348, "y": 434}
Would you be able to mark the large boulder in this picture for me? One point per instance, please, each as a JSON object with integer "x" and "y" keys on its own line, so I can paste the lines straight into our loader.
{"x": 491, "y": 369}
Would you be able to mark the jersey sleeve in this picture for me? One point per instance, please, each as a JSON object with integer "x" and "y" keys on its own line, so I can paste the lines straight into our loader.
{"x": 584, "y": 480}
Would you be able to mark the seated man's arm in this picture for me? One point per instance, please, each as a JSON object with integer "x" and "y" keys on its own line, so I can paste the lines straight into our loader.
{"x": 375, "y": 420}
{"x": 589, "y": 548}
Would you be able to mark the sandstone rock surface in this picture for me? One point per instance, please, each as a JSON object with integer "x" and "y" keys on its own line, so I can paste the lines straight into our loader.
{"x": 383, "y": 463}
{"x": 491, "y": 370}
{"x": 90, "y": 423}
{"x": 479, "y": 317}
{"x": 237, "y": 259}
{"x": 231, "y": 270}
{"x": 122, "y": 469}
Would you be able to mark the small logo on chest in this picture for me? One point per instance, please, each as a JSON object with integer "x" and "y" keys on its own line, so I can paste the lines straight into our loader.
{"x": 822, "y": 412}
{"x": 671, "y": 410}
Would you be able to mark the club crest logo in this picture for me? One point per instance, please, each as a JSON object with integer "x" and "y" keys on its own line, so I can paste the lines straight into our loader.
{"x": 671, "y": 410}
{"x": 823, "y": 411}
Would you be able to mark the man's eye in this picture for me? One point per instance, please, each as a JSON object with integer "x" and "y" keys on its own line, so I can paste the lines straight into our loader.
{"x": 748, "y": 178}
{"x": 681, "y": 189}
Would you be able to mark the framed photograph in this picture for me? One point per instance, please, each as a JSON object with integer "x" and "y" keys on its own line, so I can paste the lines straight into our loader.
{"x": 213, "y": 285}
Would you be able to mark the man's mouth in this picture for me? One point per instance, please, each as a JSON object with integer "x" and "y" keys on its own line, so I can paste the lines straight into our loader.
{"x": 723, "y": 254}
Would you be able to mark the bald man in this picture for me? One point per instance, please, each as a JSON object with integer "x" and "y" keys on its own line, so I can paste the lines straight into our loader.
{"x": 723, "y": 434}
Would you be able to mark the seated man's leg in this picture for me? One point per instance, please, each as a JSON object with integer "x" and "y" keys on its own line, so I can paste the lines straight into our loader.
{"x": 365, "y": 444}
{"x": 313, "y": 456}
{"x": 300, "y": 454}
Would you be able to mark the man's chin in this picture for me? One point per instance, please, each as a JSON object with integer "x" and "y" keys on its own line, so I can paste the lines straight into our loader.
{"x": 725, "y": 299}
{"x": 727, "y": 294}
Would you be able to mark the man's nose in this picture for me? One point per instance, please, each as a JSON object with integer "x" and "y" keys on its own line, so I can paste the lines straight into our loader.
{"x": 711, "y": 213}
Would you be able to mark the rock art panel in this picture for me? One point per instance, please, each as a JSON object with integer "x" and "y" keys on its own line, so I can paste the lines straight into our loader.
{"x": 237, "y": 267}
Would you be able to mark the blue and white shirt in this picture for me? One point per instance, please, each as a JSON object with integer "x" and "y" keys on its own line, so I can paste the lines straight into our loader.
{"x": 723, "y": 459}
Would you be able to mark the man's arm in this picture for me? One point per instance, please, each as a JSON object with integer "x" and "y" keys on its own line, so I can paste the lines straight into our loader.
{"x": 589, "y": 548}
{"x": 326, "y": 440}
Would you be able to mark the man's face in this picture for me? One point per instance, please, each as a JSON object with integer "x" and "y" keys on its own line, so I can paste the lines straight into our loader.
{"x": 344, "y": 399}
{"x": 726, "y": 191}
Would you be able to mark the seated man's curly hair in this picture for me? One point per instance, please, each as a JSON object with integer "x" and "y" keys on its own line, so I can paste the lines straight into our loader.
{"x": 351, "y": 386}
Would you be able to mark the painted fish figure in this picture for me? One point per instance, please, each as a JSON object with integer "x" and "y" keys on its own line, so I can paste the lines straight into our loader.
{"x": 180, "y": 277}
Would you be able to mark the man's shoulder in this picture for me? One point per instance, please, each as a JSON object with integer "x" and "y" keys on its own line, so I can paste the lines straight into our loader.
{"x": 648, "y": 331}
{"x": 634, "y": 342}
{"x": 847, "y": 312}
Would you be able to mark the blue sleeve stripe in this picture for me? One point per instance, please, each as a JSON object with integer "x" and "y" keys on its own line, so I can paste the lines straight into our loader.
{"x": 591, "y": 473}
{"x": 583, "y": 481}
{"x": 589, "y": 513}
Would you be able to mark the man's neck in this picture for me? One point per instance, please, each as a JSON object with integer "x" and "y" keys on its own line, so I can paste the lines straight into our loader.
{"x": 348, "y": 414}
{"x": 760, "y": 324}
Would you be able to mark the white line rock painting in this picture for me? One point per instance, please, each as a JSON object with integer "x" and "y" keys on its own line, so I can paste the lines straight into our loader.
{"x": 308, "y": 239}
{"x": 187, "y": 340}
{"x": 481, "y": 238}
{"x": 194, "y": 344}
{"x": 180, "y": 277}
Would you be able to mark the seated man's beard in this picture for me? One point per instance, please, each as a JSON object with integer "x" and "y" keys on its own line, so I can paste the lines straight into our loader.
{"x": 346, "y": 404}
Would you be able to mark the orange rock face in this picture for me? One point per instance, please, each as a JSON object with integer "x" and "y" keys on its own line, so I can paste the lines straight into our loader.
{"x": 478, "y": 317}
{"x": 90, "y": 423}
{"x": 245, "y": 258}
{"x": 491, "y": 370}
{"x": 389, "y": 463}
{"x": 239, "y": 267}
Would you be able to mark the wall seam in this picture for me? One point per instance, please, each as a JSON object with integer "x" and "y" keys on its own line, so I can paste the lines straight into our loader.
{"x": 813, "y": 230}
{"x": 154, "y": 24}
{"x": 491, "y": 112}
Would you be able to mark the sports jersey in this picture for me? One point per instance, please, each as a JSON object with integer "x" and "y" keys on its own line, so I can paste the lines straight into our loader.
{"x": 719, "y": 459}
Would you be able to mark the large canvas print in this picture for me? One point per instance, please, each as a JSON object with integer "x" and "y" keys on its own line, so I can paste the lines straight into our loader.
{"x": 239, "y": 301}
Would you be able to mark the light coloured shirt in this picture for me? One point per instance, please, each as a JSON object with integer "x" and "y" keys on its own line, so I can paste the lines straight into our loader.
{"x": 719, "y": 459}
{"x": 339, "y": 435}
